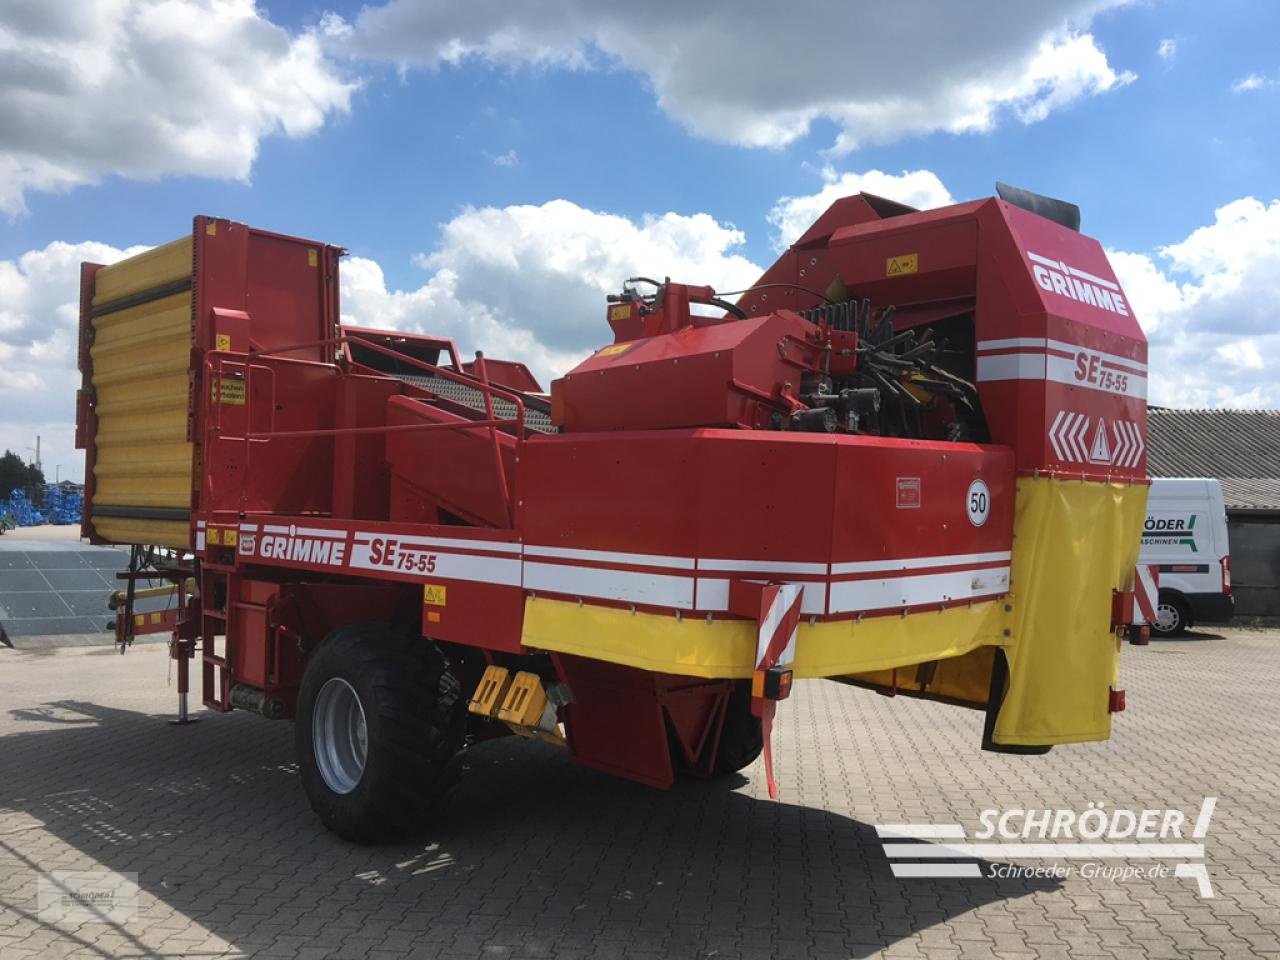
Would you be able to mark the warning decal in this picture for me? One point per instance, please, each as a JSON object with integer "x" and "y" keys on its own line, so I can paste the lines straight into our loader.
{"x": 1100, "y": 450}
{"x": 901, "y": 265}
{"x": 227, "y": 391}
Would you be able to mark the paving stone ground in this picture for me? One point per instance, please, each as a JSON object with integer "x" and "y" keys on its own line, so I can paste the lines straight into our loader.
{"x": 538, "y": 858}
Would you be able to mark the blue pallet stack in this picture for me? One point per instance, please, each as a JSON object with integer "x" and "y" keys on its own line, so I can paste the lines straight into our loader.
{"x": 22, "y": 511}
{"x": 62, "y": 508}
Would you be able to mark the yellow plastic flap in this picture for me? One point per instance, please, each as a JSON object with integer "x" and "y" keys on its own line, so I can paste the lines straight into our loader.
{"x": 1074, "y": 542}
{"x": 726, "y": 648}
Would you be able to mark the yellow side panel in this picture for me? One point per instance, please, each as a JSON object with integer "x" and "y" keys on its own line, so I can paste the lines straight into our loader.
{"x": 726, "y": 648}
{"x": 141, "y": 357}
{"x": 1074, "y": 542}
{"x": 650, "y": 641}
{"x": 157, "y": 267}
{"x": 165, "y": 533}
{"x": 881, "y": 643}
{"x": 965, "y": 678}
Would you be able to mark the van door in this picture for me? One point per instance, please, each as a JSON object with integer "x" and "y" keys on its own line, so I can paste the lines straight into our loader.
{"x": 1185, "y": 535}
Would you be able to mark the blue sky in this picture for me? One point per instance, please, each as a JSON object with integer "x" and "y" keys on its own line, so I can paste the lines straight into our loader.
{"x": 465, "y": 155}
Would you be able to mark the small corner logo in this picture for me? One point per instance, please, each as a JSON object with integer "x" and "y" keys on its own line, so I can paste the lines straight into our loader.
{"x": 86, "y": 896}
{"x": 1093, "y": 844}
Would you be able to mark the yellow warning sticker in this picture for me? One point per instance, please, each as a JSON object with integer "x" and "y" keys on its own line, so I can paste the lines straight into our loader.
{"x": 211, "y": 228}
{"x": 614, "y": 350}
{"x": 227, "y": 391}
{"x": 229, "y": 537}
{"x": 212, "y": 536}
{"x": 898, "y": 266}
{"x": 155, "y": 618}
{"x": 313, "y": 257}
{"x": 619, "y": 313}
{"x": 139, "y": 619}
{"x": 222, "y": 341}
{"x": 435, "y": 594}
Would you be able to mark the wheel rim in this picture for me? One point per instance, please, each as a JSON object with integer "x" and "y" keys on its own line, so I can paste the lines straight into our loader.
{"x": 1167, "y": 617}
{"x": 340, "y": 736}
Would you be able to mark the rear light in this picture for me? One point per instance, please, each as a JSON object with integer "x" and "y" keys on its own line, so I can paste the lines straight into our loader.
{"x": 1139, "y": 634}
{"x": 1226, "y": 574}
{"x": 1115, "y": 701}
{"x": 771, "y": 684}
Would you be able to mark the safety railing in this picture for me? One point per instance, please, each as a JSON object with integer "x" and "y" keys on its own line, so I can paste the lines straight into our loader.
{"x": 217, "y": 361}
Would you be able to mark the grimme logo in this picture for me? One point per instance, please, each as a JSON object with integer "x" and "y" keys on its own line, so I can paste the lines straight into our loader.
{"x": 1068, "y": 281}
{"x": 1095, "y": 844}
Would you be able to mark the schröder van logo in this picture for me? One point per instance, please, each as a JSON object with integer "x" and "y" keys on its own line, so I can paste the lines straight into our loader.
{"x": 1170, "y": 531}
{"x": 1094, "y": 843}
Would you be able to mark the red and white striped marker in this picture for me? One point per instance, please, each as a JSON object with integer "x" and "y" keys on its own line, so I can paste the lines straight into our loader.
{"x": 1146, "y": 592}
{"x": 775, "y": 647}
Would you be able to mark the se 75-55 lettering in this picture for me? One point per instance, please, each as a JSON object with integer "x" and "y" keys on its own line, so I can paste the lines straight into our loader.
{"x": 1089, "y": 369}
{"x": 401, "y": 556}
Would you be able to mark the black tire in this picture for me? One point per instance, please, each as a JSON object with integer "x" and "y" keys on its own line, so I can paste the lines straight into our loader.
{"x": 414, "y": 721}
{"x": 741, "y": 738}
{"x": 1173, "y": 616}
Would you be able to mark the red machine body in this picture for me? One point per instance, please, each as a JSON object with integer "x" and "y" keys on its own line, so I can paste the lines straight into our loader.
{"x": 1058, "y": 357}
{"x": 814, "y": 438}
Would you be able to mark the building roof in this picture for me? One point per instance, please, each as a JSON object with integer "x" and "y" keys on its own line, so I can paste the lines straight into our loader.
{"x": 1239, "y": 447}
{"x": 1251, "y": 494}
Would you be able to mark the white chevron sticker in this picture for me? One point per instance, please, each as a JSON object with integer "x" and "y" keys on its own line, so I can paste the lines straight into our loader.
{"x": 1078, "y": 438}
{"x": 1129, "y": 444}
{"x": 1067, "y": 436}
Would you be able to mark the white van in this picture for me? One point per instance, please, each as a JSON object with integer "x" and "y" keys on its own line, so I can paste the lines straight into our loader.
{"x": 1185, "y": 535}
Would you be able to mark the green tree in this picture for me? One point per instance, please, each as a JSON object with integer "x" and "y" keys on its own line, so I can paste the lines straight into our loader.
{"x": 14, "y": 473}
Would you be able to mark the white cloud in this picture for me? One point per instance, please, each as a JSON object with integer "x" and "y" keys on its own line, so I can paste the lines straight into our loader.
{"x": 1208, "y": 304}
{"x": 1232, "y": 264}
{"x": 529, "y": 282}
{"x": 791, "y": 216}
{"x": 757, "y": 73}
{"x": 1243, "y": 354}
{"x": 149, "y": 88}
{"x": 1254, "y": 81}
{"x": 435, "y": 308}
{"x": 508, "y": 159}
{"x": 39, "y": 309}
{"x": 1168, "y": 49}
